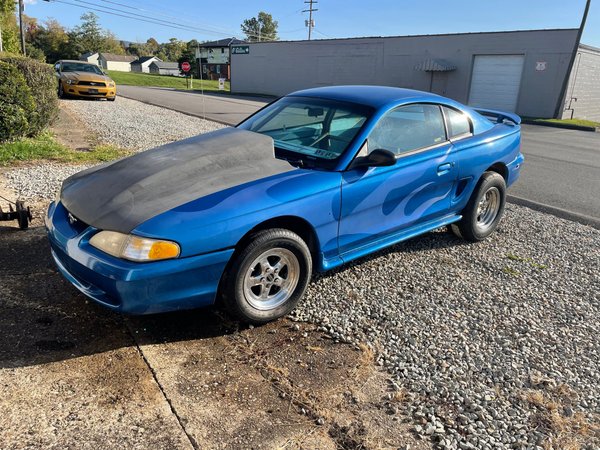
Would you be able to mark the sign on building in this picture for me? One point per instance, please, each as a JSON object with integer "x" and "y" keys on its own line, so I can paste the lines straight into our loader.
{"x": 240, "y": 50}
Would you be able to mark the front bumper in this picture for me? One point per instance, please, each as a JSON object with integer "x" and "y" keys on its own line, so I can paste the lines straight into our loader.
{"x": 90, "y": 91}
{"x": 129, "y": 287}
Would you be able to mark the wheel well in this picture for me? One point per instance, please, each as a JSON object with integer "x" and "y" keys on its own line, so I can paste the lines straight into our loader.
{"x": 499, "y": 168}
{"x": 293, "y": 223}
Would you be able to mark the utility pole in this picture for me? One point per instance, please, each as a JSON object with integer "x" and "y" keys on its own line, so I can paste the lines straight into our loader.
{"x": 21, "y": 8}
{"x": 310, "y": 23}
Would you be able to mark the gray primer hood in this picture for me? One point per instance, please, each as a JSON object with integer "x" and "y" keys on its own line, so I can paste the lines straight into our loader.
{"x": 121, "y": 195}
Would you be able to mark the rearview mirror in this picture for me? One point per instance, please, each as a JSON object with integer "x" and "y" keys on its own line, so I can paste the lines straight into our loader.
{"x": 315, "y": 112}
{"x": 377, "y": 158}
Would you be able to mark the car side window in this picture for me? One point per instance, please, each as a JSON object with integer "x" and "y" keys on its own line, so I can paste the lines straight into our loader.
{"x": 458, "y": 123}
{"x": 408, "y": 128}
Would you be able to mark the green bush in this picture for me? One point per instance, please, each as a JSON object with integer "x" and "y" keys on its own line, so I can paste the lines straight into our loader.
{"x": 16, "y": 103}
{"x": 43, "y": 85}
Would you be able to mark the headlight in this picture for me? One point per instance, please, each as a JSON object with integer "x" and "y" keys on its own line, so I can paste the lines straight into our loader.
{"x": 134, "y": 248}
{"x": 71, "y": 81}
{"x": 111, "y": 84}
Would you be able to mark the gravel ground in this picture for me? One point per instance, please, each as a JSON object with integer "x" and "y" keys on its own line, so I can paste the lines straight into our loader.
{"x": 496, "y": 344}
{"x": 124, "y": 123}
{"x": 134, "y": 125}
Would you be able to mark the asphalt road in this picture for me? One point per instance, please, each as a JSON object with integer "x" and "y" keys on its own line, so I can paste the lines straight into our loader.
{"x": 561, "y": 174}
{"x": 223, "y": 108}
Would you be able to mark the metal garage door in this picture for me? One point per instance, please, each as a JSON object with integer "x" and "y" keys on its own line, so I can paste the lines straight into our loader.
{"x": 496, "y": 81}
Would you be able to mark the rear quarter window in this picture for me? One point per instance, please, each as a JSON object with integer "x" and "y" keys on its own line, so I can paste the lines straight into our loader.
{"x": 458, "y": 123}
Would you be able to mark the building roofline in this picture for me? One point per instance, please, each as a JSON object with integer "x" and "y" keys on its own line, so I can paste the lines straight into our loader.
{"x": 589, "y": 47}
{"x": 416, "y": 35}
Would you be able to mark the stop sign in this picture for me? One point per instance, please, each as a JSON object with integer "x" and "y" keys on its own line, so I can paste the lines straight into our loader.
{"x": 185, "y": 66}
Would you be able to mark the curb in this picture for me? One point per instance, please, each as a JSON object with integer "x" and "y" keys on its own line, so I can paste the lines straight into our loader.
{"x": 567, "y": 126}
{"x": 558, "y": 212}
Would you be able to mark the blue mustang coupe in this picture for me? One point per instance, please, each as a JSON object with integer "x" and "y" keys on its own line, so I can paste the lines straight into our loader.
{"x": 313, "y": 180}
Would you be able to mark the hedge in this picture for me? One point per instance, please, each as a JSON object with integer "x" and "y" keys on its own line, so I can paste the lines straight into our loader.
{"x": 42, "y": 82}
{"x": 17, "y": 107}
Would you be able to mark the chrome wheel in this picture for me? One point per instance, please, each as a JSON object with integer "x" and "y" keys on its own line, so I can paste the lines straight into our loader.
{"x": 271, "y": 279}
{"x": 487, "y": 209}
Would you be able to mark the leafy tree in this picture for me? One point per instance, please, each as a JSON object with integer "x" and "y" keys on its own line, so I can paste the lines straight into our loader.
{"x": 261, "y": 28}
{"x": 172, "y": 50}
{"x": 8, "y": 23}
{"x": 52, "y": 39}
{"x": 90, "y": 37}
{"x": 152, "y": 46}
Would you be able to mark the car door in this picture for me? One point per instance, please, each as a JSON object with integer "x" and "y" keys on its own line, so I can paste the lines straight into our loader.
{"x": 380, "y": 201}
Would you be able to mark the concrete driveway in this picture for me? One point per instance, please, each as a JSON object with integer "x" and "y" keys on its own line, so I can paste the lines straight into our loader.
{"x": 561, "y": 174}
{"x": 74, "y": 375}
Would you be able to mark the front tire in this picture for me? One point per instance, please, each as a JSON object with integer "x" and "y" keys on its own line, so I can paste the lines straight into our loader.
{"x": 61, "y": 90}
{"x": 111, "y": 99}
{"x": 484, "y": 209}
{"x": 268, "y": 277}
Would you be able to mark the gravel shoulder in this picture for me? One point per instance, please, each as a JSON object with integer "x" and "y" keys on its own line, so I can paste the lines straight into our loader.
{"x": 489, "y": 345}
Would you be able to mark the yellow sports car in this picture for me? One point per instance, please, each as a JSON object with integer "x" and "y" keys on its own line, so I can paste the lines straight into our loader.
{"x": 83, "y": 79}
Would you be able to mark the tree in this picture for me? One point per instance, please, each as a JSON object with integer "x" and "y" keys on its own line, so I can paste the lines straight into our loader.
{"x": 8, "y": 23}
{"x": 90, "y": 37}
{"x": 261, "y": 28}
{"x": 152, "y": 46}
{"x": 52, "y": 39}
{"x": 172, "y": 50}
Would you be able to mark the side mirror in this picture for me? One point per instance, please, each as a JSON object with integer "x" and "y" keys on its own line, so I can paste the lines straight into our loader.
{"x": 377, "y": 158}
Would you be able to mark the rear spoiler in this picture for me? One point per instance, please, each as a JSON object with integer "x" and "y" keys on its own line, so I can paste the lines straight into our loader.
{"x": 499, "y": 116}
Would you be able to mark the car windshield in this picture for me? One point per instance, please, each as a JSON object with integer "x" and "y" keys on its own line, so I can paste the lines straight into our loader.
{"x": 80, "y": 67}
{"x": 319, "y": 129}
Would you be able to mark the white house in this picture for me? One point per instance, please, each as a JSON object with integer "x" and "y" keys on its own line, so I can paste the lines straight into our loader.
{"x": 142, "y": 64}
{"x": 91, "y": 57}
{"x": 164, "y": 68}
{"x": 121, "y": 63}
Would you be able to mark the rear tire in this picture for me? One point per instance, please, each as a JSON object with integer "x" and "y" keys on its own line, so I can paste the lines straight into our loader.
{"x": 268, "y": 277}
{"x": 484, "y": 209}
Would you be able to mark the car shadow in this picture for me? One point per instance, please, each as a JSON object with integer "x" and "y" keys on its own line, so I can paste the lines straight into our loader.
{"x": 44, "y": 319}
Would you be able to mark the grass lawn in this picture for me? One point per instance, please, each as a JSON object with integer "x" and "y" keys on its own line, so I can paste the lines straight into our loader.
{"x": 45, "y": 147}
{"x": 580, "y": 122}
{"x": 147, "y": 79}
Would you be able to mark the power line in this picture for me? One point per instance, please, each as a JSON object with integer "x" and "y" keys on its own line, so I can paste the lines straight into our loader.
{"x": 151, "y": 19}
{"x": 138, "y": 17}
{"x": 151, "y": 11}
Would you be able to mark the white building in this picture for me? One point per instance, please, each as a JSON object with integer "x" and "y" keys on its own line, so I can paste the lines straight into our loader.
{"x": 142, "y": 64}
{"x": 121, "y": 63}
{"x": 91, "y": 57}
{"x": 164, "y": 68}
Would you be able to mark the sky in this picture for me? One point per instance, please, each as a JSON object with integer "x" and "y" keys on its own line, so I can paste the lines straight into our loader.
{"x": 334, "y": 18}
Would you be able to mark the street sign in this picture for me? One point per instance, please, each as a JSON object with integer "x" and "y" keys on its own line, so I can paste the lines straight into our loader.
{"x": 240, "y": 50}
{"x": 185, "y": 66}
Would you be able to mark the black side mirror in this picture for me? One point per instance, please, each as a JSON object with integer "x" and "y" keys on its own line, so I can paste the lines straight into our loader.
{"x": 377, "y": 158}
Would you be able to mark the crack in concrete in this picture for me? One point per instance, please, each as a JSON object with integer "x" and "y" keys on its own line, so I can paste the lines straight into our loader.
{"x": 190, "y": 438}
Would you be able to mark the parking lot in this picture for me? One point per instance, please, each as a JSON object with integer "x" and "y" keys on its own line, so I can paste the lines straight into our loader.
{"x": 432, "y": 342}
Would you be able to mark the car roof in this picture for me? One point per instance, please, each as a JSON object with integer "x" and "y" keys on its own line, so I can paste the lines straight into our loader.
{"x": 374, "y": 96}
{"x": 76, "y": 61}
